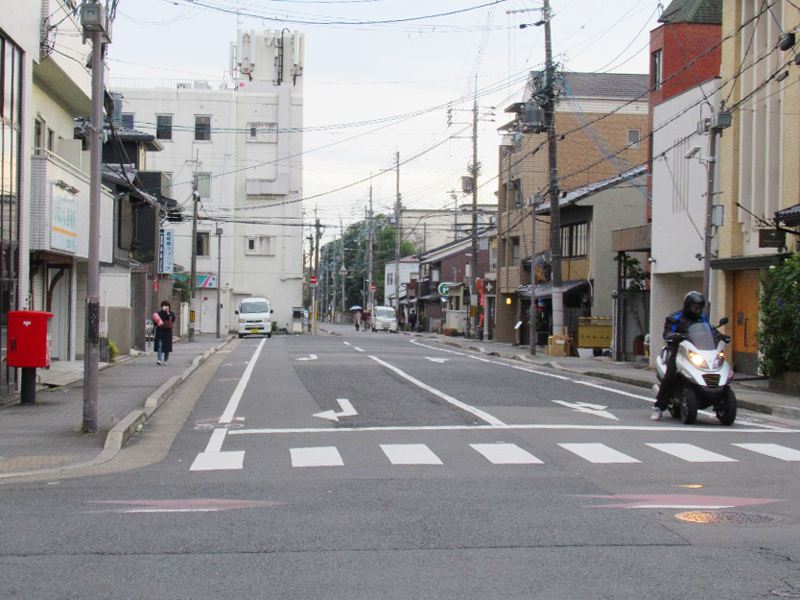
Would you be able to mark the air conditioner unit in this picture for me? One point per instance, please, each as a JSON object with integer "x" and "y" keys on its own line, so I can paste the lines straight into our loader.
{"x": 466, "y": 185}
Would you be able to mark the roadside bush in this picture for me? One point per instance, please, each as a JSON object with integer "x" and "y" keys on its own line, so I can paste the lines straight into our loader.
{"x": 451, "y": 331}
{"x": 779, "y": 319}
{"x": 113, "y": 351}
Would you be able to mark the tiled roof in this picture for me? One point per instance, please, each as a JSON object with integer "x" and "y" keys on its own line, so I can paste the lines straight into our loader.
{"x": 608, "y": 86}
{"x": 704, "y": 12}
{"x": 790, "y": 216}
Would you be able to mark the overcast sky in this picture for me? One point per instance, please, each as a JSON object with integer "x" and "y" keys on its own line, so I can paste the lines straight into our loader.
{"x": 359, "y": 67}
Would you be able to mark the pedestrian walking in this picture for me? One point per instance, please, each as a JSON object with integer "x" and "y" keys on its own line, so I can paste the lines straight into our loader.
{"x": 163, "y": 341}
{"x": 366, "y": 320}
{"x": 357, "y": 319}
{"x": 412, "y": 320}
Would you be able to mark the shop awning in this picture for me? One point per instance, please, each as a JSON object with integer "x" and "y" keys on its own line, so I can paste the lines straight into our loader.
{"x": 545, "y": 290}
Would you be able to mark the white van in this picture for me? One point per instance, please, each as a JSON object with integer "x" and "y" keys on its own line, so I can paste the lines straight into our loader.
{"x": 254, "y": 317}
{"x": 384, "y": 318}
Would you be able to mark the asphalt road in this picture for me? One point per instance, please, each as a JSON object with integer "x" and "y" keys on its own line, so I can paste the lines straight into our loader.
{"x": 375, "y": 465}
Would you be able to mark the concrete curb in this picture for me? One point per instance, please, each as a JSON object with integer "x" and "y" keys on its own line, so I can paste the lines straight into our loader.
{"x": 119, "y": 435}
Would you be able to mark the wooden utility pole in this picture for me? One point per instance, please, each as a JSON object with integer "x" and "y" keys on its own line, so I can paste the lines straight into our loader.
{"x": 317, "y": 235}
{"x": 370, "y": 294}
{"x": 193, "y": 276}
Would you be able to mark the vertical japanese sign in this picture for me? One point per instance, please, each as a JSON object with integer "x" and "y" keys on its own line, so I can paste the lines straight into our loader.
{"x": 63, "y": 219}
{"x": 166, "y": 250}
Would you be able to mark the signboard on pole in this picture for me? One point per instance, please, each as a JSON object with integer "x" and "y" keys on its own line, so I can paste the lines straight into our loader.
{"x": 443, "y": 289}
{"x": 312, "y": 281}
{"x": 166, "y": 251}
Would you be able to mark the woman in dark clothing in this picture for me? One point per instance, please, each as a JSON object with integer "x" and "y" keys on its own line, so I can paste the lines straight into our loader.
{"x": 164, "y": 332}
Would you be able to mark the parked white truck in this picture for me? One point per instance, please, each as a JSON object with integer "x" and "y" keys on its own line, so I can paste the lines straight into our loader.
{"x": 254, "y": 317}
{"x": 384, "y": 319}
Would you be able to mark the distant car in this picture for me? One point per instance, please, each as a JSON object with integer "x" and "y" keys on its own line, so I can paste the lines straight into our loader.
{"x": 254, "y": 317}
{"x": 384, "y": 318}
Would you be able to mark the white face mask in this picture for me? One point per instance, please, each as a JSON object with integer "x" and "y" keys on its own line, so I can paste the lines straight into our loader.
{"x": 165, "y": 308}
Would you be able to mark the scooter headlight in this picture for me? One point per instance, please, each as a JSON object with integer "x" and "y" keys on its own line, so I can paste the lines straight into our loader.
{"x": 719, "y": 360}
{"x": 697, "y": 360}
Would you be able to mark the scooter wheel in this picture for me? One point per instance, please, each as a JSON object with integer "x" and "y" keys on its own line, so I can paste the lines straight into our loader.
{"x": 674, "y": 409}
{"x": 726, "y": 408}
{"x": 689, "y": 406}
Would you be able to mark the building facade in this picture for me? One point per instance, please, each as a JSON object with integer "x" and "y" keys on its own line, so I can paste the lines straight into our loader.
{"x": 601, "y": 121}
{"x": 238, "y": 142}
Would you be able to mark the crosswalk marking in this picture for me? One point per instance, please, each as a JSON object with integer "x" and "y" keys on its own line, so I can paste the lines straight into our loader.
{"x": 599, "y": 454}
{"x": 774, "y": 451}
{"x": 506, "y": 454}
{"x": 322, "y": 456}
{"x": 691, "y": 453}
{"x": 410, "y": 454}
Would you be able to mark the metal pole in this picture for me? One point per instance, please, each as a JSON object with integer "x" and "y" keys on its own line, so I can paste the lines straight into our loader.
{"x": 473, "y": 309}
{"x": 397, "y": 239}
{"x": 552, "y": 156}
{"x": 711, "y": 162}
{"x": 192, "y": 290}
{"x": 219, "y": 281}
{"x": 343, "y": 271}
{"x": 91, "y": 355}
{"x": 534, "y": 205}
{"x": 370, "y": 295}
{"x": 316, "y": 268}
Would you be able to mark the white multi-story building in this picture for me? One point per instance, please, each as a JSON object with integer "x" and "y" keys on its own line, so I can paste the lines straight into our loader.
{"x": 434, "y": 227}
{"x": 240, "y": 142}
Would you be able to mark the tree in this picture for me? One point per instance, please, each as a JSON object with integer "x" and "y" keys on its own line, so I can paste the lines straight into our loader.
{"x": 779, "y": 320}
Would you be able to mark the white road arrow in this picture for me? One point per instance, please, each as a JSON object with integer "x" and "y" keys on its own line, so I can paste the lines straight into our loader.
{"x": 437, "y": 360}
{"x": 309, "y": 357}
{"x": 347, "y": 411}
{"x": 590, "y": 409}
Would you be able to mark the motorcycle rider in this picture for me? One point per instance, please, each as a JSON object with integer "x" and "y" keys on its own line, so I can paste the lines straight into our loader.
{"x": 693, "y": 305}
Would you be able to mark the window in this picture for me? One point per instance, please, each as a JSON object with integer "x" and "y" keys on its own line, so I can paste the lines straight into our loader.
{"x": 38, "y": 134}
{"x": 574, "y": 240}
{"x": 51, "y": 140}
{"x": 517, "y": 194}
{"x": 514, "y": 251}
{"x": 203, "y": 243}
{"x": 261, "y": 245}
{"x": 202, "y": 128}
{"x": 204, "y": 185}
{"x": 166, "y": 183}
{"x": 634, "y": 137}
{"x": 262, "y": 133}
{"x": 127, "y": 120}
{"x": 655, "y": 71}
{"x": 164, "y": 127}
{"x": 390, "y": 279}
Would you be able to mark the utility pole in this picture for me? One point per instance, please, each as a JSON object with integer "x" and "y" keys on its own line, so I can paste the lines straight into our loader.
{"x": 219, "y": 281}
{"x": 94, "y": 29}
{"x": 317, "y": 235}
{"x": 398, "y": 233}
{"x": 370, "y": 295}
{"x": 552, "y": 156}
{"x": 718, "y": 122}
{"x": 193, "y": 291}
{"x": 535, "y": 202}
{"x": 343, "y": 270}
{"x": 473, "y": 309}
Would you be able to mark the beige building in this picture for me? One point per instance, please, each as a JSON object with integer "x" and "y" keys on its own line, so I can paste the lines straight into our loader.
{"x": 601, "y": 122}
{"x": 759, "y": 161}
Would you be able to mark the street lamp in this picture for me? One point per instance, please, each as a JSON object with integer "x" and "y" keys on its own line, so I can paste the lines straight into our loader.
{"x": 342, "y": 276}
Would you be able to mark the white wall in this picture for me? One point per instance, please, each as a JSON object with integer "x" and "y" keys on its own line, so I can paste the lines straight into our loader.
{"x": 233, "y": 160}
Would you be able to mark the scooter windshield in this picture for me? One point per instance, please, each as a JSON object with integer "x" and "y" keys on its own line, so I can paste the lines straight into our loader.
{"x": 702, "y": 336}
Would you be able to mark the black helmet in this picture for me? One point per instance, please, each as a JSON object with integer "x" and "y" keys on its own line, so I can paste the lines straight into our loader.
{"x": 693, "y": 298}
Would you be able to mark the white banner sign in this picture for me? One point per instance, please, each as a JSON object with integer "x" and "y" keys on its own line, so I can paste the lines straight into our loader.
{"x": 63, "y": 220}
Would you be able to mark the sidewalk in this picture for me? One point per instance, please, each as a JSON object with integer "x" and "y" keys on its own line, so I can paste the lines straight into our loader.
{"x": 46, "y": 435}
{"x": 750, "y": 395}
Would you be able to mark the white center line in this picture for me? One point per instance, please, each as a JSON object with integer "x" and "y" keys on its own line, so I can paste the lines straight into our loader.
{"x": 455, "y": 402}
{"x": 233, "y": 403}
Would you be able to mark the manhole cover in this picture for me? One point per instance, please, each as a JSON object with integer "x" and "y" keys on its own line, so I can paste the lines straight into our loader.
{"x": 725, "y": 518}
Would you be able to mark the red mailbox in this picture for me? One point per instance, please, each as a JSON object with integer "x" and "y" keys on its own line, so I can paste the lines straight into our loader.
{"x": 29, "y": 338}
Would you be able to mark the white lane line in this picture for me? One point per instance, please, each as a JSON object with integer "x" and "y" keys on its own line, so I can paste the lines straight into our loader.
{"x": 347, "y": 343}
{"x": 322, "y": 456}
{"x": 233, "y": 403}
{"x": 599, "y": 454}
{"x": 691, "y": 453}
{"x": 410, "y": 454}
{"x": 506, "y": 454}
{"x": 558, "y": 426}
{"x": 455, "y": 402}
{"x": 774, "y": 451}
{"x": 213, "y": 458}
{"x": 542, "y": 373}
{"x": 615, "y": 391}
{"x": 357, "y": 349}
